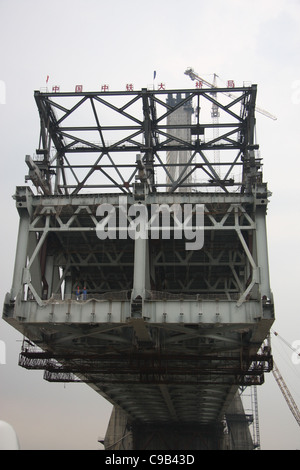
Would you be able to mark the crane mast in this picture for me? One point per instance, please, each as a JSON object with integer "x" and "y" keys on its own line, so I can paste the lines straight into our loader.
{"x": 286, "y": 393}
{"x": 194, "y": 76}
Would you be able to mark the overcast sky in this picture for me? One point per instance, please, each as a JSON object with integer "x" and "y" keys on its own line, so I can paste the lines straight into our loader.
{"x": 93, "y": 42}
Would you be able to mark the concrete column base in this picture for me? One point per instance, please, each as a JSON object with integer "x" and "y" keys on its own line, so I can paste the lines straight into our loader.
{"x": 123, "y": 435}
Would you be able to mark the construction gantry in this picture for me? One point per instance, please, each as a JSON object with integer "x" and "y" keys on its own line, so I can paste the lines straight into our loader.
{"x": 143, "y": 274}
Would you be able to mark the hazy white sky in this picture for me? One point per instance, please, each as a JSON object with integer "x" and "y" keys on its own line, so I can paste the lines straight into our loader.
{"x": 93, "y": 42}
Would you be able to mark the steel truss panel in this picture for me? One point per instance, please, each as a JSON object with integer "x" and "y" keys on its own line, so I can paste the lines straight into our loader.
{"x": 84, "y": 137}
{"x": 215, "y": 331}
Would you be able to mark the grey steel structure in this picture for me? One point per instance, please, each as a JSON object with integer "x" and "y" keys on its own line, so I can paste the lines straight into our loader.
{"x": 165, "y": 333}
{"x": 177, "y": 159}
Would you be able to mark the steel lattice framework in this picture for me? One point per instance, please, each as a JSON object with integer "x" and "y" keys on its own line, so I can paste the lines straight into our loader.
{"x": 102, "y": 141}
{"x": 168, "y": 334}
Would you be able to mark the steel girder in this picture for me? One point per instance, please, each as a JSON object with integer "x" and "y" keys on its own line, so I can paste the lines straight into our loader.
{"x": 63, "y": 233}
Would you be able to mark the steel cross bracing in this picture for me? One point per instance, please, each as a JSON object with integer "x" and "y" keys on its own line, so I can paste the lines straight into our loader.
{"x": 166, "y": 333}
{"x": 102, "y": 141}
{"x": 65, "y": 230}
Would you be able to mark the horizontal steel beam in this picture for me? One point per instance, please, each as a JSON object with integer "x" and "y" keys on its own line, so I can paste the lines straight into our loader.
{"x": 157, "y": 312}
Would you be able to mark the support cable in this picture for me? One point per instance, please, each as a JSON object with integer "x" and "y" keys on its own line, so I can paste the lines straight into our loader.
{"x": 286, "y": 343}
{"x": 115, "y": 443}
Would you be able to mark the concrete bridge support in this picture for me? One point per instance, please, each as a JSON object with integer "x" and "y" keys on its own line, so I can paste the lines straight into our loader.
{"x": 122, "y": 434}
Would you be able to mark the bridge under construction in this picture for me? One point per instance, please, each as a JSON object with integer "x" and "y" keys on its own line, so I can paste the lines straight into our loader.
{"x": 141, "y": 264}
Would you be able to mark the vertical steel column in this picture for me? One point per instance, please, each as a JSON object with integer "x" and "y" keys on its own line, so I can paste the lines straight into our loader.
{"x": 21, "y": 254}
{"x": 140, "y": 273}
{"x": 68, "y": 288}
{"x": 262, "y": 251}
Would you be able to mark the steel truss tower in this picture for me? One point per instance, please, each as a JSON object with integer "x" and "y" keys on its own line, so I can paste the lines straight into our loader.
{"x": 174, "y": 301}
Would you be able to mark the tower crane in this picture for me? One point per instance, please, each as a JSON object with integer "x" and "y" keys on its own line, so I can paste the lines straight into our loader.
{"x": 194, "y": 76}
{"x": 286, "y": 393}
